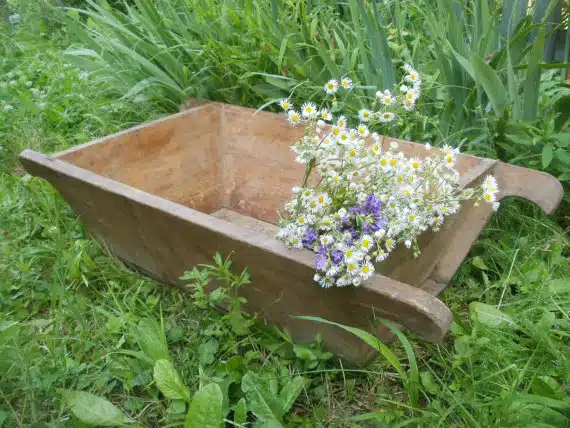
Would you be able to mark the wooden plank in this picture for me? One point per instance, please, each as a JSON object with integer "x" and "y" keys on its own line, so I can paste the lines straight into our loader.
{"x": 166, "y": 239}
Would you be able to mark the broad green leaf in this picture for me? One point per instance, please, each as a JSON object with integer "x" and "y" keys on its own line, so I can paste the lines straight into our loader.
{"x": 519, "y": 140}
{"x": 559, "y": 286}
{"x": 563, "y": 156}
{"x": 479, "y": 263}
{"x": 465, "y": 64}
{"x": 373, "y": 341}
{"x": 207, "y": 352}
{"x": 547, "y": 154}
{"x": 428, "y": 382}
{"x": 544, "y": 401}
{"x": 94, "y": 410}
{"x": 169, "y": 382}
{"x": 206, "y": 408}
{"x": 546, "y": 386}
{"x": 240, "y": 412}
{"x": 491, "y": 83}
{"x": 532, "y": 82}
{"x": 290, "y": 392}
{"x": 151, "y": 340}
{"x": 489, "y": 315}
{"x": 260, "y": 400}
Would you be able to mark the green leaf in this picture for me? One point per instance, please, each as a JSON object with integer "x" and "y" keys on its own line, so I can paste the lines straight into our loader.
{"x": 546, "y": 386}
{"x": 489, "y": 315}
{"x": 544, "y": 401}
{"x": 260, "y": 399}
{"x": 465, "y": 64}
{"x": 491, "y": 83}
{"x": 532, "y": 82}
{"x": 479, "y": 263}
{"x": 547, "y": 154}
{"x": 412, "y": 380}
{"x": 169, "y": 382}
{"x": 94, "y": 410}
{"x": 519, "y": 140}
{"x": 371, "y": 340}
{"x": 151, "y": 340}
{"x": 290, "y": 392}
{"x": 207, "y": 352}
{"x": 428, "y": 382}
{"x": 559, "y": 286}
{"x": 240, "y": 412}
{"x": 206, "y": 408}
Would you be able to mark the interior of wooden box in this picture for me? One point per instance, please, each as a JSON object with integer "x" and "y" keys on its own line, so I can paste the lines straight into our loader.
{"x": 230, "y": 162}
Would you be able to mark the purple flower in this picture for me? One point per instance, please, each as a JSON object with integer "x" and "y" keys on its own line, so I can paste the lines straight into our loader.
{"x": 320, "y": 261}
{"x": 337, "y": 257}
{"x": 310, "y": 237}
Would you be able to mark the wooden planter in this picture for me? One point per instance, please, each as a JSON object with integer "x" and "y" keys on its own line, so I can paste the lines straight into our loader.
{"x": 167, "y": 195}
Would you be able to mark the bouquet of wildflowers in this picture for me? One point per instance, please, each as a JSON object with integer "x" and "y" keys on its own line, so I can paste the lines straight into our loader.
{"x": 368, "y": 198}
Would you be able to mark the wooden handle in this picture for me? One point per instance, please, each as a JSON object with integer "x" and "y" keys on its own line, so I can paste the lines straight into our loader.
{"x": 409, "y": 306}
{"x": 538, "y": 187}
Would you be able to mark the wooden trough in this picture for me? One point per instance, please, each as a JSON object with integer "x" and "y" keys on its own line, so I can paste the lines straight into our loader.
{"x": 168, "y": 195}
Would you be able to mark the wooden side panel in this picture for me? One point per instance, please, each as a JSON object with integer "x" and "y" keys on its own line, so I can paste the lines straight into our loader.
{"x": 166, "y": 238}
{"x": 176, "y": 158}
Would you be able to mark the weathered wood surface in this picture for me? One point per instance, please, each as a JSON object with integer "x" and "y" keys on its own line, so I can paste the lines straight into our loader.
{"x": 148, "y": 193}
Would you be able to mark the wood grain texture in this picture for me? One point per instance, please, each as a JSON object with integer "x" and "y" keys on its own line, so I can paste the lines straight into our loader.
{"x": 147, "y": 193}
{"x": 176, "y": 158}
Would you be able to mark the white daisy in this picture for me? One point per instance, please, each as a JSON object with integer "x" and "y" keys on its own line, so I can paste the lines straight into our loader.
{"x": 286, "y": 104}
{"x": 309, "y": 110}
{"x": 366, "y": 243}
{"x": 362, "y": 131}
{"x": 293, "y": 117}
{"x": 346, "y": 83}
{"x": 331, "y": 87}
{"x": 408, "y": 105}
{"x": 366, "y": 270}
{"x": 386, "y": 117}
{"x": 365, "y": 115}
{"x": 326, "y": 115}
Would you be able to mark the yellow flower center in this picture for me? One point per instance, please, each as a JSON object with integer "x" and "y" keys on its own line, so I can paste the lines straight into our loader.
{"x": 365, "y": 269}
{"x": 415, "y": 164}
{"x": 400, "y": 178}
{"x": 386, "y": 115}
{"x": 393, "y": 162}
{"x": 387, "y": 100}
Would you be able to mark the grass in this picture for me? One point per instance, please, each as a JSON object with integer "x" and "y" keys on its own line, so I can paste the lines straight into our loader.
{"x": 74, "y": 318}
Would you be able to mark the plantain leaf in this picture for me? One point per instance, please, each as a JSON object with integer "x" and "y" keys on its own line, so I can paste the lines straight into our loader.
{"x": 206, "y": 408}
{"x": 169, "y": 382}
{"x": 94, "y": 410}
